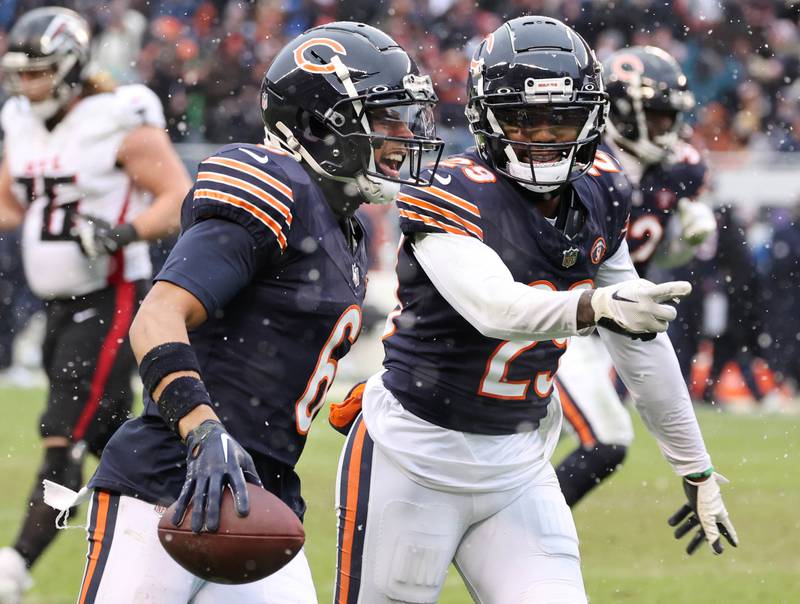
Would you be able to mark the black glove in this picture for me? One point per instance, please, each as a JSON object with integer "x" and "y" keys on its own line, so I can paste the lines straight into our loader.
{"x": 213, "y": 461}
{"x": 97, "y": 237}
{"x": 706, "y": 509}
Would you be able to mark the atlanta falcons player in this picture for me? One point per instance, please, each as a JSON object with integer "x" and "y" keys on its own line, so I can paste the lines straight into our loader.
{"x": 90, "y": 173}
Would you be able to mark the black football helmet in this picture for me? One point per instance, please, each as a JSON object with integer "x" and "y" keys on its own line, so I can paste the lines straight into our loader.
{"x": 343, "y": 92}
{"x": 641, "y": 79}
{"x": 536, "y": 70}
{"x": 50, "y": 39}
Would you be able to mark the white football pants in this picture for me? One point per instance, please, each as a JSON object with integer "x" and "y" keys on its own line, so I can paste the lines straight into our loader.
{"x": 397, "y": 538}
{"x": 589, "y": 400}
{"x": 126, "y": 564}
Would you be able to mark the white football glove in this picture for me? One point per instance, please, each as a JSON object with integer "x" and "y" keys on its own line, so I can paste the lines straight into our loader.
{"x": 636, "y": 306}
{"x": 705, "y": 508}
{"x": 697, "y": 221}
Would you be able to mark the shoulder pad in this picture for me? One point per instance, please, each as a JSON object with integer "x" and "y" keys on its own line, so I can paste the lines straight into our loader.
{"x": 248, "y": 184}
{"x": 137, "y": 105}
{"x": 449, "y": 205}
{"x": 10, "y": 112}
{"x": 613, "y": 191}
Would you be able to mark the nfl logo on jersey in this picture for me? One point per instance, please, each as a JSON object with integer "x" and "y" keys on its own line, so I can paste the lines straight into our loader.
{"x": 570, "y": 257}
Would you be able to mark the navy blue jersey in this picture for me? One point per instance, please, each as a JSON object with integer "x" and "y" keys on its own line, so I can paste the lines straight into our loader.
{"x": 656, "y": 199}
{"x": 282, "y": 285}
{"x": 438, "y": 365}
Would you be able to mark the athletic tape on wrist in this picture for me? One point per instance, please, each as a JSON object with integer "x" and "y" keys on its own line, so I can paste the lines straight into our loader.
{"x": 164, "y": 359}
{"x": 179, "y": 397}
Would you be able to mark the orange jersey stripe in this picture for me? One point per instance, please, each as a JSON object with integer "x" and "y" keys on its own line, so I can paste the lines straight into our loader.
{"x": 471, "y": 227}
{"x": 235, "y": 164}
{"x": 433, "y": 222}
{"x": 576, "y": 419}
{"x": 103, "y": 500}
{"x": 449, "y": 197}
{"x": 353, "y": 477}
{"x": 253, "y": 190}
{"x": 260, "y": 215}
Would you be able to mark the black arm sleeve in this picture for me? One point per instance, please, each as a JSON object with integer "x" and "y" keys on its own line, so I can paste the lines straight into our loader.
{"x": 212, "y": 260}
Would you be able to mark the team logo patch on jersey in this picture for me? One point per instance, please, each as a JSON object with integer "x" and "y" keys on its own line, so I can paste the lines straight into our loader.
{"x": 569, "y": 257}
{"x": 598, "y": 252}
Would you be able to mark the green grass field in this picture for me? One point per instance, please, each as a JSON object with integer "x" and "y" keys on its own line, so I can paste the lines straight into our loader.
{"x": 629, "y": 554}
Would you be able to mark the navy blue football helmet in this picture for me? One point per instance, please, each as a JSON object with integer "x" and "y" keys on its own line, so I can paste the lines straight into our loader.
{"x": 536, "y": 75}
{"x": 641, "y": 80}
{"x": 342, "y": 94}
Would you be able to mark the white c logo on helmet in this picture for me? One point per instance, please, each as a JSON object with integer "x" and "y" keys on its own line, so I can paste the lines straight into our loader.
{"x": 306, "y": 65}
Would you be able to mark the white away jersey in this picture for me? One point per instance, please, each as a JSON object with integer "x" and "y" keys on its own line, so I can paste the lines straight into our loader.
{"x": 73, "y": 168}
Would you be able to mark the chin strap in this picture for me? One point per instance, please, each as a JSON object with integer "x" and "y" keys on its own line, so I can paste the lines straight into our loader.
{"x": 299, "y": 152}
{"x": 378, "y": 192}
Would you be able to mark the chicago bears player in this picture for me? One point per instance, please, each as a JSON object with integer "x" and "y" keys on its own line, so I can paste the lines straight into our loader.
{"x": 519, "y": 244}
{"x": 649, "y": 97}
{"x": 90, "y": 172}
{"x": 239, "y": 339}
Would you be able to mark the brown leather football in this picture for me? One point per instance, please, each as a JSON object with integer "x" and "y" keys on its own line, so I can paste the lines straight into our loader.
{"x": 244, "y": 549}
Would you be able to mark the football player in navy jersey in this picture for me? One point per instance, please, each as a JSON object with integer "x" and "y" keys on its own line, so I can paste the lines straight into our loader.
{"x": 238, "y": 341}
{"x": 519, "y": 244}
{"x": 649, "y": 97}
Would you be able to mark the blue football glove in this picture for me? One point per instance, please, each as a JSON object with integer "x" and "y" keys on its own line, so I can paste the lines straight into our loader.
{"x": 214, "y": 460}
{"x": 706, "y": 509}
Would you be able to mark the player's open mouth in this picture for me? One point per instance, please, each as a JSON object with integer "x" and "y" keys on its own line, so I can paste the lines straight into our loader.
{"x": 391, "y": 163}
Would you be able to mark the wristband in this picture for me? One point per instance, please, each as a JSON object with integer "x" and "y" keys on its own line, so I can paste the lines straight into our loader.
{"x": 179, "y": 397}
{"x": 698, "y": 475}
{"x": 164, "y": 359}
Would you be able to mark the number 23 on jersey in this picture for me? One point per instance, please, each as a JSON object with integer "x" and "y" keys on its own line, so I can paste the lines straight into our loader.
{"x": 495, "y": 382}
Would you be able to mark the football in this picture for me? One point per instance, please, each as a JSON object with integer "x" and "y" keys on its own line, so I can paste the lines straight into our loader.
{"x": 244, "y": 549}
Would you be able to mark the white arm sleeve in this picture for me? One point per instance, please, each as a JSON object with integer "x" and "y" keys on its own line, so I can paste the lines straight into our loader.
{"x": 478, "y": 285}
{"x": 651, "y": 373}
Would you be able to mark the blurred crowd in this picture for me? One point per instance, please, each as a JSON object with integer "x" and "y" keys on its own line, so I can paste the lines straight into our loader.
{"x": 206, "y": 58}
